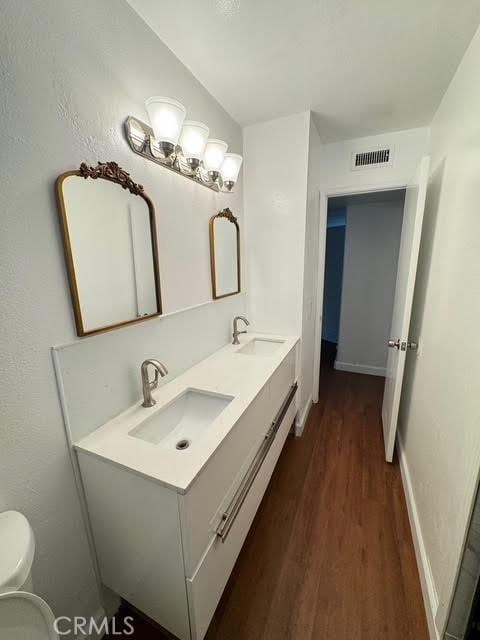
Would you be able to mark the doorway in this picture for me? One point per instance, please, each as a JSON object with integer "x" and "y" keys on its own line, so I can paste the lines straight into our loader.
{"x": 370, "y": 290}
{"x": 361, "y": 256}
{"x": 332, "y": 286}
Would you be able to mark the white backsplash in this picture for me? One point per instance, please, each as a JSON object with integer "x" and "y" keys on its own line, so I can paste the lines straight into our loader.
{"x": 100, "y": 375}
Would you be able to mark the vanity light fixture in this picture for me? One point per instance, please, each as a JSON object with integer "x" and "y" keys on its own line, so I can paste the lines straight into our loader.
{"x": 183, "y": 145}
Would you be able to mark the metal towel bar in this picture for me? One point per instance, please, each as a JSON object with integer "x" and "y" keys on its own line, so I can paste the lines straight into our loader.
{"x": 229, "y": 516}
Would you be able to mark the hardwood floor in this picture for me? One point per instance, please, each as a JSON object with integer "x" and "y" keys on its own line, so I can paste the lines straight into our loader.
{"x": 330, "y": 554}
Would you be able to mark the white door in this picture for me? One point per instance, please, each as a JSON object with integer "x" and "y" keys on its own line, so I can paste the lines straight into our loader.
{"x": 402, "y": 306}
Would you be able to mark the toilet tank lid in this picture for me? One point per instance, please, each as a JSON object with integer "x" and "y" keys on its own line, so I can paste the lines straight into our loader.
{"x": 17, "y": 548}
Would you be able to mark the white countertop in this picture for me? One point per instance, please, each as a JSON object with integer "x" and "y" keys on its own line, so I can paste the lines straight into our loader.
{"x": 225, "y": 372}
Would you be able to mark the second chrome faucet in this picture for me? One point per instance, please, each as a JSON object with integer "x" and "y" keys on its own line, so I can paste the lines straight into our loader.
{"x": 236, "y": 332}
{"x": 161, "y": 370}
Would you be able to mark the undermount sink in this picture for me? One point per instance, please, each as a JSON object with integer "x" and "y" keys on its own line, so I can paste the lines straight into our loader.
{"x": 261, "y": 347}
{"x": 179, "y": 423}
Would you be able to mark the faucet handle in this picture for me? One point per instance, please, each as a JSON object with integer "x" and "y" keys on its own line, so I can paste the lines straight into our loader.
{"x": 154, "y": 383}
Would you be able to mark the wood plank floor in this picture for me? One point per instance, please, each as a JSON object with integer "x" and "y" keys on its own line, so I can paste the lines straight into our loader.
{"x": 330, "y": 554}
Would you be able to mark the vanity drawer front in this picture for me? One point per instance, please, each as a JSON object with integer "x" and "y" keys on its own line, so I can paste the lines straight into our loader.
{"x": 201, "y": 507}
{"x": 207, "y": 584}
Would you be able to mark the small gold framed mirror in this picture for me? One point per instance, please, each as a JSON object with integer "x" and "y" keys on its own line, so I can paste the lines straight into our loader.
{"x": 110, "y": 241}
{"x": 225, "y": 254}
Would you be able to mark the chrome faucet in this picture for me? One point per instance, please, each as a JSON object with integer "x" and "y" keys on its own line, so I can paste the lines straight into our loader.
{"x": 148, "y": 385}
{"x": 236, "y": 332}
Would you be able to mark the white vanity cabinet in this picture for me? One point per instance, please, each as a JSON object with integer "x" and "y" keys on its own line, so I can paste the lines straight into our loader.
{"x": 170, "y": 552}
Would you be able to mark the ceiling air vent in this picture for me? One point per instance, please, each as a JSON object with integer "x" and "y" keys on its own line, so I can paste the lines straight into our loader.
{"x": 372, "y": 158}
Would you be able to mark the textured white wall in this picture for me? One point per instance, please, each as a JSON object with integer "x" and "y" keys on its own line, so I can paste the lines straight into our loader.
{"x": 408, "y": 148}
{"x": 280, "y": 205}
{"x": 440, "y": 410}
{"x": 275, "y": 204}
{"x": 372, "y": 241}
{"x": 310, "y": 263}
{"x": 70, "y": 73}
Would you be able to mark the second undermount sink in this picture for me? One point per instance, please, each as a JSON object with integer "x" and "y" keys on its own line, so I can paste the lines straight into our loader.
{"x": 182, "y": 421}
{"x": 261, "y": 347}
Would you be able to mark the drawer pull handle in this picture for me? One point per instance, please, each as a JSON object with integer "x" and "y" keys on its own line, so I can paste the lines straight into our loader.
{"x": 229, "y": 516}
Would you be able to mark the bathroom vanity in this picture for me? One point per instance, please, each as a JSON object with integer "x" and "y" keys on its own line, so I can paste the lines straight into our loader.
{"x": 172, "y": 490}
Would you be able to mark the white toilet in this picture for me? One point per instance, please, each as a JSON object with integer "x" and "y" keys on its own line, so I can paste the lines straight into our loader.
{"x": 23, "y": 615}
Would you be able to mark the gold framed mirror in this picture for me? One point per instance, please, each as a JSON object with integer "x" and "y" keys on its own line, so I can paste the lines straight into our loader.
{"x": 111, "y": 250}
{"x": 225, "y": 254}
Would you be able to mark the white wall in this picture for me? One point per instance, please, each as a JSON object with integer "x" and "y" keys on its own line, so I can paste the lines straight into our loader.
{"x": 440, "y": 416}
{"x": 185, "y": 209}
{"x": 71, "y": 72}
{"x": 275, "y": 205}
{"x": 408, "y": 148}
{"x": 310, "y": 289}
{"x": 372, "y": 242}
{"x": 281, "y": 204}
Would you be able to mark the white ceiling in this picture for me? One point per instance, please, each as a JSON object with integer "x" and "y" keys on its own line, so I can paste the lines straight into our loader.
{"x": 362, "y": 66}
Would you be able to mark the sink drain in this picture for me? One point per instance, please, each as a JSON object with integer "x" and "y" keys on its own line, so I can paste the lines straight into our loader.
{"x": 182, "y": 444}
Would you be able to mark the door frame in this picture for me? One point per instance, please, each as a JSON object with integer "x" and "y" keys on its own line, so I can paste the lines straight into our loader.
{"x": 325, "y": 194}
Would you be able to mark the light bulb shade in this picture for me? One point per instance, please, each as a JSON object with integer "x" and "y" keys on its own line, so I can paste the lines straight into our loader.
{"x": 193, "y": 139}
{"x": 214, "y": 154}
{"x": 166, "y": 117}
{"x": 231, "y": 167}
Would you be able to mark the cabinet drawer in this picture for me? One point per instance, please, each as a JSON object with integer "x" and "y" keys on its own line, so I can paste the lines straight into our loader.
{"x": 205, "y": 587}
{"x": 202, "y": 505}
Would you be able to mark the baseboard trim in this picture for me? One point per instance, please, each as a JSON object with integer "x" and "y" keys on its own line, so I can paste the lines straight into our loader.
{"x": 430, "y": 596}
{"x": 302, "y": 417}
{"x": 359, "y": 368}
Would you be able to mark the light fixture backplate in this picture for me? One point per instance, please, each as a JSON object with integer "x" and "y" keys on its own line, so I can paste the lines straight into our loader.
{"x": 175, "y": 163}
